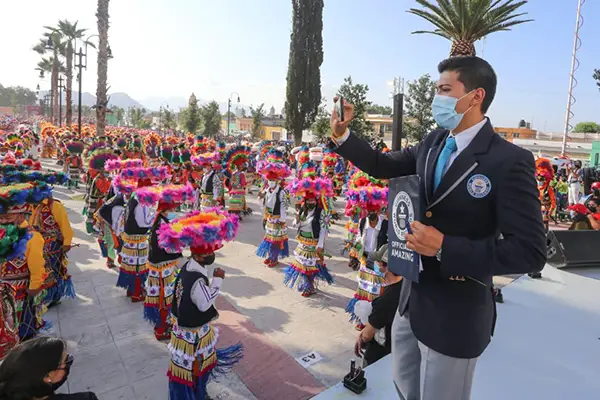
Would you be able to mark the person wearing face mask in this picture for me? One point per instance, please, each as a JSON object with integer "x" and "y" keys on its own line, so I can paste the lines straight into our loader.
{"x": 195, "y": 358}
{"x": 481, "y": 217}
{"x": 275, "y": 243}
{"x": 36, "y": 369}
{"x": 375, "y": 340}
{"x": 313, "y": 221}
{"x": 162, "y": 265}
{"x": 235, "y": 161}
{"x": 372, "y": 234}
{"x": 138, "y": 219}
{"x": 210, "y": 186}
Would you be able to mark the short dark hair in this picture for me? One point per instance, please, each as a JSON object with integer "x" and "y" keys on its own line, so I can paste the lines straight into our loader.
{"x": 24, "y": 368}
{"x": 474, "y": 73}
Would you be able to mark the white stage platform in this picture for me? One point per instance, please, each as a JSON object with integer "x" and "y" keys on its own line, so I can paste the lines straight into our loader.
{"x": 546, "y": 345}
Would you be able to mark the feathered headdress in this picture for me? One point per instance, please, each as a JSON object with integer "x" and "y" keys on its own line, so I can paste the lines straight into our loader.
{"x": 13, "y": 241}
{"x": 202, "y": 231}
{"x": 186, "y": 156}
{"x": 263, "y": 148}
{"x": 330, "y": 160}
{"x": 236, "y": 157}
{"x": 308, "y": 170}
{"x": 119, "y": 164}
{"x": 206, "y": 158}
{"x": 360, "y": 179}
{"x": 16, "y": 198}
{"x": 156, "y": 174}
{"x": 51, "y": 178}
{"x": 303, "y": 155}
{"x": 543, "y": 169}
{"x": 93, "y": 147}
{"x": 166, "y": 152}
{"x": 311, "y": 188}
{"x": 367, "y": 199}
{"x": 174, "y": 194}
{"x": 124, "y": 185}
{"x": 273, "y": 168}
{"x": 121, "y": 143}
{"x": 99, "y": 158}
{"x": 75, "y": 147}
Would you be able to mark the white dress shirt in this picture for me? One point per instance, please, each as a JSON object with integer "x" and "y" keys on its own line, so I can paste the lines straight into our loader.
{"x": 464, "y": 139}
{"x": 204, "y": 296}
{"x": 144, "y": 216}
{"x": 306, "y": 226}
{"x": 370, "y": 234}
{"x": 271, "y": 198}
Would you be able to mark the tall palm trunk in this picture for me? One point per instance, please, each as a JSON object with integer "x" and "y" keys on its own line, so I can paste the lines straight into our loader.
{"x": 54, "y": 84}
{"x": 101, "y": 97}
{"x": 69, "y": 111}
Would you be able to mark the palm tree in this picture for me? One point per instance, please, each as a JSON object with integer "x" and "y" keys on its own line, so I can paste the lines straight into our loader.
{"x": 101, "y": 97}
{"x": 52, "y": 41}
{"x": 71, "y": 33}
{"x": 465, "y": 21}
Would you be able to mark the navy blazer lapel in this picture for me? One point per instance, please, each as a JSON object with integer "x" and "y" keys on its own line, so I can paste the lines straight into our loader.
{"x": 464, "y": 164}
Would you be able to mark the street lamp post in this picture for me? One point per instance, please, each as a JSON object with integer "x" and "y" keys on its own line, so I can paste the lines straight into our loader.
{"x": 81, "y": 64}
{"x": 60, "y": 88}
{"x": 229, "y": 108}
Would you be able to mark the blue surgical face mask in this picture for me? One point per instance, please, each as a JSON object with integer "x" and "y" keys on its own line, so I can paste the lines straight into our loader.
{"x": 444, "y": 112}
{"x": 376, "y": 268}
{"x": 171, "y": 215}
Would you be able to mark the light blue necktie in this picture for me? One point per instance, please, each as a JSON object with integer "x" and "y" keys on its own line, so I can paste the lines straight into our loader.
{"x": 449, "y": 148}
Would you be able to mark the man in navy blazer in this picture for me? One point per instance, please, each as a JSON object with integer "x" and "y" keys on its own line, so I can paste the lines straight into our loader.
{"x": 482, "y": 218}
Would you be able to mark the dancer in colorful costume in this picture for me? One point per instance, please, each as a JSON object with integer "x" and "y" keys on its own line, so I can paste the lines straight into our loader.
{"x": 210, "y": 188}
{"x": 544, "y": 174}
{"x": 313, "y": 220}
{"x": 194, "y": 356}
{"x": 162, "y": 265}
{"x": 275, "y": 243}
{"x": 50, "y": 219}
{"x": 235, "y": 162}
{"x": 26, "y": 273}
{"x": 370, "y": 201}
{"x": 73, "y": 162}
{"x": 138, "y": 219}
{"x": 49, "y": 148}
{"x": 12, "y": 247}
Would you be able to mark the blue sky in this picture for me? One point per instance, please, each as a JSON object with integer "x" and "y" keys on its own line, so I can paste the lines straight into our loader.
{"x": 173, "y": 47}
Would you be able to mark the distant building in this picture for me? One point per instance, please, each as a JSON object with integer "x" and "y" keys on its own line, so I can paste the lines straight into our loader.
{"x": 272, "y": 128}
{"x": 515, "y": 133}
{"x": 382, "y": 125}
{"x": 579, "y": 145}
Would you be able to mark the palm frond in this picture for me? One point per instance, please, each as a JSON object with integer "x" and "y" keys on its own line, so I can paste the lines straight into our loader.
{"x": 469, "y": 20}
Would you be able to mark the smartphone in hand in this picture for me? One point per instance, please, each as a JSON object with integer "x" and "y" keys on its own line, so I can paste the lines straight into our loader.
{"x": 339, "y": 108}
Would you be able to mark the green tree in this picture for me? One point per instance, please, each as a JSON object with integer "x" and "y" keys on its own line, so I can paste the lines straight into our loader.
{"x": 192, "y": 118}
{"x": 120, "y": 114}
{"x": 587, "y": 127}
{"x": 418, "y": 119}
{"x": 243, "y": 112}
{"x": 377, "y": 109}
{"x": 304, "y": 66}
{"x": 522, "y": 123}
{"x": 321, "y": 129}
{"x": 464, "y": 22}
{"x": 211, "y": 118}
{"x": 167, "y": 119}
{"x": 258, "y": 114}
{"x": 356, "y": 94}
{"x": 596, "y": 77}
{"x": 71, "y": 33}
{"x": 17, "y": 95}
{"x": 136, "y": 116}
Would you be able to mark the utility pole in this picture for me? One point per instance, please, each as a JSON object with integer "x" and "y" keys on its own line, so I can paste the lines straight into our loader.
{"x": 572, "y": 80}
{"x": 80, "y": 65}
{"x": 398, "y": 96}
{"x": 60, "y": 88}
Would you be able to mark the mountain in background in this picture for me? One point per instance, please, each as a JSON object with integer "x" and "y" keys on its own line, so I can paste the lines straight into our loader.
{"x": 175, "y": 103}
{"x": 121, "y": 100}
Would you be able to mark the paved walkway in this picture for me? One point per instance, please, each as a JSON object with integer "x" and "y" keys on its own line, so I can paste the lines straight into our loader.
{"x": 117, "y": 356}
